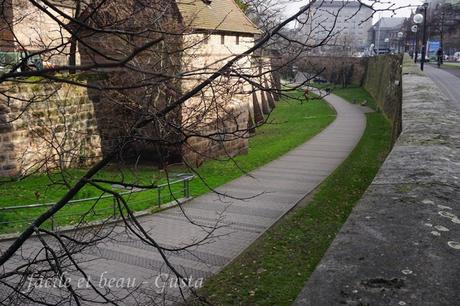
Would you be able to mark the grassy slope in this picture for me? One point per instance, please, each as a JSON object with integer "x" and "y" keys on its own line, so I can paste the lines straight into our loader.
{"x": 274, "y": 269}
{"x": 290, "y": 125}
{"x": 351, "y": 93}
{"x": 355, "y": 94}
{"x": 452, "y": 65}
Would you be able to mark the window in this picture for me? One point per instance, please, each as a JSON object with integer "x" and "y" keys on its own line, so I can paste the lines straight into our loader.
{"x": 206, "y": 38}
{"x": 222, "y": 39}
{"x": 237, "y": 39}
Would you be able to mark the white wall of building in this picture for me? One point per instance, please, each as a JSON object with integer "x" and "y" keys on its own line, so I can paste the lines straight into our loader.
{"x": 345, "y": 23}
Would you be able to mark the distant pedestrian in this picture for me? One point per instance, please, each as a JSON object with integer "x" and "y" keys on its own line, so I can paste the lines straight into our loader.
{"x": 439, "y": 55}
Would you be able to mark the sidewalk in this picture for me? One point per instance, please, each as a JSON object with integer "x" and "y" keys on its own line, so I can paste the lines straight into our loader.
{"x": 281, "y": 183}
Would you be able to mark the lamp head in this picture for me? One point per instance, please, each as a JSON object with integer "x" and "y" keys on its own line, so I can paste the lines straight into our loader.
{"x": 418, "y": 18}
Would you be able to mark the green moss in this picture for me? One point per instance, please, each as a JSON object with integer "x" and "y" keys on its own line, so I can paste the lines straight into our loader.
{"x": 405, "y": 188}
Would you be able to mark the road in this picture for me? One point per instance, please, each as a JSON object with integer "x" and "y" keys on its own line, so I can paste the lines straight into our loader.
{"x": 448, "y": 80}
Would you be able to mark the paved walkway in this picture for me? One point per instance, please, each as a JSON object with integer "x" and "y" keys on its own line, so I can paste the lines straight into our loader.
{"x": 447, "y": 82}
{"x": 281, "y": 184}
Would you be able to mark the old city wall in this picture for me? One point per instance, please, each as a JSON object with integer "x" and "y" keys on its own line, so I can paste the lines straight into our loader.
{"x": 336, "y": 70}
{"x": 46, "y": 126}
{"x": 383, "y": 81}
{"x": 216, "y": 120}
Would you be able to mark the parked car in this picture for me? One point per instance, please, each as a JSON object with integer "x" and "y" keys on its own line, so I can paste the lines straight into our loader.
{"x": 319, "y": 81}
{"x": 34, "y": 62}
{"x": 457, "y": 56}
{"x": 9, "y": 60}
{"x": 382, "y": 51}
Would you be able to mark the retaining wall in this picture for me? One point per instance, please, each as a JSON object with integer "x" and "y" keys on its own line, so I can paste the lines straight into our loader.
{"x": 383, "y": 82}
{"x": 401, "y": 244}
{"x": 379, "y": 75}
{"x": 45, "y": 126}
{"x": 336, "y": 69}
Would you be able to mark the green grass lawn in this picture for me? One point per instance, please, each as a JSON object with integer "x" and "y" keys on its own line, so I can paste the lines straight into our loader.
{"x": 291, "y": 124}
{"x": 351, "y": 93}
{"x": 452, "y": 65}
{"x": 355, "y": 94}
{"x": 275, "y": 268}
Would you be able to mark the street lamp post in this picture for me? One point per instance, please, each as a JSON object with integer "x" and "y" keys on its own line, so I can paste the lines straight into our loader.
{"x": 422, "y": 62}
{"x": 377, "y": 38}
{"x": 418, "y": 19}
{"x": 400, "y": 38}
{"x": 414, "y": 30}
{"x": 442, "y": 30}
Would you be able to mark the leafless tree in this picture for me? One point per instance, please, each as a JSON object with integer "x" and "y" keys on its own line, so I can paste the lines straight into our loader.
{"x": 443, "y": 23}
{"x": 152, "y": 100}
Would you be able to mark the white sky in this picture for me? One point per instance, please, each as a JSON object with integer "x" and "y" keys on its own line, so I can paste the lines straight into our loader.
{"x": 294, "y": 5}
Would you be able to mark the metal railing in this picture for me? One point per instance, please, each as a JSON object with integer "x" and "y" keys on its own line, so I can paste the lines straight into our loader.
{"x": 172, "y": 192}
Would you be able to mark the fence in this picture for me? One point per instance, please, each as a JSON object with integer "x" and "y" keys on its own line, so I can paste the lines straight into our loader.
{"x": 14, "y": 218}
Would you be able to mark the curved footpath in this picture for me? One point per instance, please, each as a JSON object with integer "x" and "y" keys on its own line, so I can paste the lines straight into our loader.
{"x": 401, "y": 243}
{"x": 281, "y": 183}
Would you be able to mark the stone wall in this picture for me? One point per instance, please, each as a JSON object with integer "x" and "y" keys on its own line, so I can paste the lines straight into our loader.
{"x": 263, "y": 100}
{"x": 379, "y": 75}
{"x": 336, "y": 70}
{"x": 44, "y": 126}
{"x": 401, "y": 245}
{"x": 225, "y": 107}
{"x": 383, "y": 82}
{"x": 225, "y": 136}
{"x": 125, "y": 96}
{"x": 34, "y": 30}
{"x": 214, "y": 123}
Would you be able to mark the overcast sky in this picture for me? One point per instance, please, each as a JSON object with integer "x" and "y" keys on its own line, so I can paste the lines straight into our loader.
{"x": 293, "y": 6}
